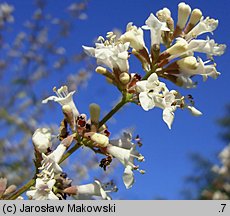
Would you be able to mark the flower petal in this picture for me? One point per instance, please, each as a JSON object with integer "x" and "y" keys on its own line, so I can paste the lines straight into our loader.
{"x": 147, "y": 103}
{"x": 168, "y": 116}
{"x": 128, "y": 177}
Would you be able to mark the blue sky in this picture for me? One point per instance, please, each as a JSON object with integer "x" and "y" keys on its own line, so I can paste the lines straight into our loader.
{"x": 166, "y": 151}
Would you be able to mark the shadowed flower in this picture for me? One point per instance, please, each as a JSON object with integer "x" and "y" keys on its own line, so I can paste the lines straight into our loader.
{"x": 126, "y": 154}
{"x": 50, "y": 162}
{"x": 88, "y": 191}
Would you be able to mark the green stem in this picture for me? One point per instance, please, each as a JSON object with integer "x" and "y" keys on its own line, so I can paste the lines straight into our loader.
{"x": 147, "y": 75}
{"x": 69, "y": 152}
{"x": 22, "y": 189}
{"x": 125, "y": 99}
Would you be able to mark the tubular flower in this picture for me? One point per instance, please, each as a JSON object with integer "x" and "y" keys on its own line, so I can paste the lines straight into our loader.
{"x": 190, "y": 66}
{"x": 208, "y": 47}
{"x": 204, "y": 26}
{"x": 42, "y": 190}
{"x": 134, "y": 36}
{"x": 50, "y": 162}
{"x": 156, "y": 27}
{"x": 183, "y": 48}
{"x": 126, "y": 156}
{"x": 88, "y": 191}
{"x": 63, "y": 98}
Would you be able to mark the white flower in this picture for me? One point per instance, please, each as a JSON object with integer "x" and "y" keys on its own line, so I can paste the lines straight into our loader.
{"x": 205, "y": 25}
{"x": 42, "y": 190}
{"x": 190, "y": 66}
{"x": 225, "y": 156}
{"x": 218, "y": 195}
{"x": 179, "y": 48}
{"x": 154, "y": 93}
{"x": 5, "y": 12}
{"x": 114, "y": 56}
{"x": 42, "y": 139}
{"x": 126, "y": 157}
{"x": 124, "y": 141}
{"x": 63, "y": 98}
{"x": 50, "y": 162}
{"x": 185, "y": 82}
{"x": 182, "y": 47}
{"x": 100, "y": 139}
{"x": 133, "y": 35}
{"x": 208, "y": 46}
{"x": 88, "y": 191}
{"x": 149, "y": 89}
{"x": 167, "y": 104}
{"x": 156, "y": 27}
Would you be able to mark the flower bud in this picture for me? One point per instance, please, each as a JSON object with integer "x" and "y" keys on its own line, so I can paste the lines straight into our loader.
{"x": 100, "y": 139}
{"x": 10, "y": 189}
{"x": 71, "y": 190}
{"x": 163, "y": 14}
{"x": 195, "y": 17}
{"x": 101, "y": 70}
{"x": 42, "y": 139}
{"x": 188, "y": 63}
{"x": 124, "y": 78}
{"x": 184, "y": 11}
{"x": 94, "y": 110}
{"x": 3, "y": 184}
{"x": 67, "y": 141}
{"x": 179, "y": 47}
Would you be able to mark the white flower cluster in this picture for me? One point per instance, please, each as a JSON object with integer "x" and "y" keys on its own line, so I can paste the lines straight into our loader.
{"x": 220, "y": 189}
{"x": 6, "y": 14}
{"x": 177, "y": 63}
{"x": 224, "y": 156}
